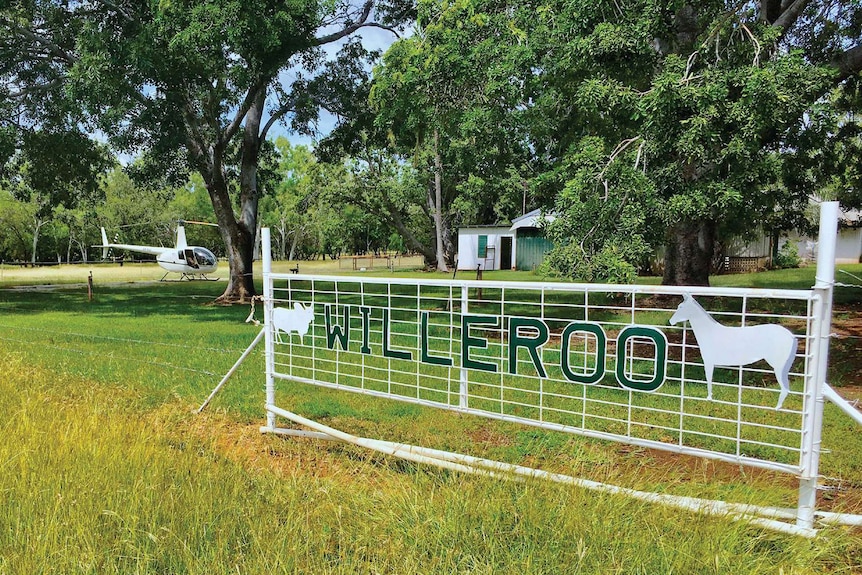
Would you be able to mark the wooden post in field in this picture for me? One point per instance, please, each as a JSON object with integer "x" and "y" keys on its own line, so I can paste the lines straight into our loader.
{"x": 90, "y": 287}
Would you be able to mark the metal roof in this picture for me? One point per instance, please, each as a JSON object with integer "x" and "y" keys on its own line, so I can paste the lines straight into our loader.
{"x": 531, "y": 220}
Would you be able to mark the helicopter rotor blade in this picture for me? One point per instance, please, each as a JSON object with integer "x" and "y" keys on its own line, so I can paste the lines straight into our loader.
{"x": 198, "y": 223}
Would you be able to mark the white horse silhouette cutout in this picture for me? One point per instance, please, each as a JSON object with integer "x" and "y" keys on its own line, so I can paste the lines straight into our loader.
{"x": 737, "y": 346}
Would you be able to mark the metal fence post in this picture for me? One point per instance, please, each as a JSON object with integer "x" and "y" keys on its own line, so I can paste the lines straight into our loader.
{"x": 267, "y": 315}
{"x": 812, "y": 418}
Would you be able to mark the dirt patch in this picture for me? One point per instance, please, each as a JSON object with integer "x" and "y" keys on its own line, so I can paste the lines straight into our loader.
{"x": 487, "y": 436}
{"x": 242, "y": 442}
{"x": 654, "y": 466}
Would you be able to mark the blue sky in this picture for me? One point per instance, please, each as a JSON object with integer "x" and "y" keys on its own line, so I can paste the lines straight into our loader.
{"x": 372, "y": 39}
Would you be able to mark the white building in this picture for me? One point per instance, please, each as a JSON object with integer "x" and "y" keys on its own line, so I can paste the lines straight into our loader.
{"x": 520, "y": 246}
{"x": 486, "y": 248}
{"x": 848, "y": 249}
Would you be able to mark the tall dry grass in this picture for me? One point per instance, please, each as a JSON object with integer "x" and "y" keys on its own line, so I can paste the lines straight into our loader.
{"x": 93, "y": 481}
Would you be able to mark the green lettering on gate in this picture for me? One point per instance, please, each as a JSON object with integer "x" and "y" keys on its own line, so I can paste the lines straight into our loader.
{"x": 387, "y": 352}
{"x": 532, "y": 344}
{"x": 335, "y": 331}
{"x": 426, "y": 357}
{"x": 601, "y": 350}
{"x": 365, "y": 312}
{"x": 660, "y": 340}
{"x": 468, "y": 342}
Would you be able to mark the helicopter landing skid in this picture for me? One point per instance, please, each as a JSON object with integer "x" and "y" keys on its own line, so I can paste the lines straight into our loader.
{"x": 190, "y": 277}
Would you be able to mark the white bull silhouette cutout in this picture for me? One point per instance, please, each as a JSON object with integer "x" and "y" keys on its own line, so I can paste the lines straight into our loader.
{"x": 288, "y": 320}
{"x": 737, "y": 346}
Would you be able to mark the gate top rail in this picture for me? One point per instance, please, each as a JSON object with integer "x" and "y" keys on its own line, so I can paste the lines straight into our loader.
{"x": 639, "y": 289}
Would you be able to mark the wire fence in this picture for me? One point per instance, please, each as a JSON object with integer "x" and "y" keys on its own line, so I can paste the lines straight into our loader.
{"x": 100, "y": 349}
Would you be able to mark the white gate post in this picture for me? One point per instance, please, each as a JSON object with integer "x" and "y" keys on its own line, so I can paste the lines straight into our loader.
{"x": 813, "y": 401}
{"x": 267, "y": 315}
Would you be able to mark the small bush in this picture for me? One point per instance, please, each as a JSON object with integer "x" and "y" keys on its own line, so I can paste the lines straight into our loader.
{"x": 787, "y": 257}
{"x": 572, "y": 263}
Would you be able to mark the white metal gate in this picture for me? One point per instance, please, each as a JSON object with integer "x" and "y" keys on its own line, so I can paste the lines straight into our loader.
{"x": 595, "y": 360}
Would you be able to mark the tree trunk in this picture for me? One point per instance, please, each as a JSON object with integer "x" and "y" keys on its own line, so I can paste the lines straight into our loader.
{"x": 450, "y": 247}
{"x": 774, "y": 238}
{"x": 255, "y": 253}
{"x": 36, "y": 227}
{"x": 437, "y": 205}
{"x": 689, "y": 248}
{"x": 293, "y": 243}
{"x": 282, "y": 232}
{"x": 238, "y": 242}
{"x": 238, "y": 233}
{"x": 240, "y": 286}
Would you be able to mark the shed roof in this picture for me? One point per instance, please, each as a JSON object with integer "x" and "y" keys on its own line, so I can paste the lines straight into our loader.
{"x": 484, "y": 227}
{"x": 531, "y": 220}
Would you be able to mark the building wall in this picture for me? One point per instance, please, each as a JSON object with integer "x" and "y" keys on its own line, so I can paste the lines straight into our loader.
{"x": 531, "y": 248}
{"x": 468, "y": 247}
{"x": 847, "y": 250}
{"x": 849, "y": 247}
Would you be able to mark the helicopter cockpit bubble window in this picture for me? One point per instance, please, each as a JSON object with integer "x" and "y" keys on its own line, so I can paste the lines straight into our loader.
{"x": 191, "y": 259}
{"x": 205, "y": 257}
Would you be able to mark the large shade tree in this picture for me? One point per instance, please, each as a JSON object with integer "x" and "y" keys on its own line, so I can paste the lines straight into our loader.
{"x": 195, "y": 85}
{"x": 448, "y": 99}
{"x": 681, "y": 123}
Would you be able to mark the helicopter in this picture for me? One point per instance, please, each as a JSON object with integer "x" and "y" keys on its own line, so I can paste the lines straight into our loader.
{"x": 193, "y": 262}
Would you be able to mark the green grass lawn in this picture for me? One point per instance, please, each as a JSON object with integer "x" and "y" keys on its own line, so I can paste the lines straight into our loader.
{"x": 107, "y": 470}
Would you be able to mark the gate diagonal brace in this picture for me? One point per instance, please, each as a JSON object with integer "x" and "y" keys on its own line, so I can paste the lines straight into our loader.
{"x": 232, "y": 369}
{"x": 768, "y": 517}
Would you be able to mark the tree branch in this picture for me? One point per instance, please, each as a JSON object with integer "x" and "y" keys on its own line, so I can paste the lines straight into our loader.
{"x": 250, "y": 96}
{"x": 51, "y": 47}
{"x": 347, "y": 30}
{"x": 273, "y": 119}
{"x": 382, "y": 27}
{"x": 790, "y": 15}
{"x": 39, "y": 88}
{"x": 194, "y": 138}
{"x": 118, "y": 9}
{"x": 848, "y": 63}
{"x": 770, "y": 10}
{"x": 267, "y": 76}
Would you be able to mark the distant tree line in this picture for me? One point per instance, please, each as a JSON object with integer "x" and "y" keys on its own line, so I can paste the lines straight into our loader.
{"x": 645, "y": 126}
{"x": 301, "y": 202}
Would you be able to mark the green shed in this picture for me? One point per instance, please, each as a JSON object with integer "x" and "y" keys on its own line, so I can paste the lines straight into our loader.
{"x": 530, "y": 242}
{"x": 531, "y": 247}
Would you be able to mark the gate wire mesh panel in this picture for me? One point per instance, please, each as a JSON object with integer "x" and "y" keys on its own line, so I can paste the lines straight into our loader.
{"x": 595, "y": 360}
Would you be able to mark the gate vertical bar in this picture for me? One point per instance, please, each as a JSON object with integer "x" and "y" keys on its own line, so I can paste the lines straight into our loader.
{"x": 267, "y": 315}
{"x": 813, "y": 401}
{"x": 462, "y": 388}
